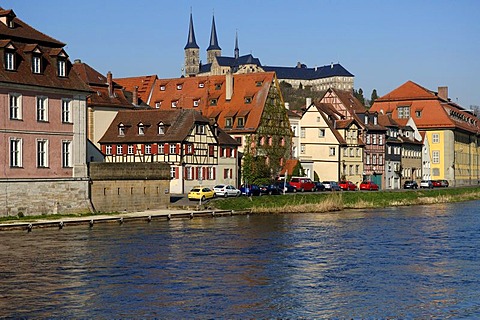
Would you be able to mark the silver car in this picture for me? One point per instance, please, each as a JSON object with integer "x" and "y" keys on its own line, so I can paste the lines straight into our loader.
{"x": 426, "y": 184}
{"x": 226, "y": 190}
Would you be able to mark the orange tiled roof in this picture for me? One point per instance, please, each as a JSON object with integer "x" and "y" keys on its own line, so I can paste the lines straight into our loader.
{"x": 289, "y": 166}
{"x": 145, "y": 85}
{"x": 248, "y": 98}
{"x": 428, "y": 110}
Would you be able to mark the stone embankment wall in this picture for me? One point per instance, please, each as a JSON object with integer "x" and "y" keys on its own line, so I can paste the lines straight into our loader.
{"x": 118, "y": 187}
{"x": 28, "y": 197}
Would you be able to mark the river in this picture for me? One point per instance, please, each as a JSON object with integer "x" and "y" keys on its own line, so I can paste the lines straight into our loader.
{"x": 404, "y": 262}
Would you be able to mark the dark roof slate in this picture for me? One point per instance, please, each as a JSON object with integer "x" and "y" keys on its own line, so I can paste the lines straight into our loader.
{"x": 304, "y": 73}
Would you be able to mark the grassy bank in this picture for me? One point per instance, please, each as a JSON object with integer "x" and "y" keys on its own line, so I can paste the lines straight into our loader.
{"x": 327, "y": 201}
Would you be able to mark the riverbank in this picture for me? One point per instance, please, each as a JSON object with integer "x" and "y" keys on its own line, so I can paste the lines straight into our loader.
{"x": 336, "y": 201}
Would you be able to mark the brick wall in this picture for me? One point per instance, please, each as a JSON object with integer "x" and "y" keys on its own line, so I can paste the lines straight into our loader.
{"x": 129, "y": 186}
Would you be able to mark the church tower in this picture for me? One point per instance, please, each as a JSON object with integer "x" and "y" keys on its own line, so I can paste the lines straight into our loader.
{"x": 192, "y": 53}
{"x": 213, "y": 49}
{"x": 236, "y": 51}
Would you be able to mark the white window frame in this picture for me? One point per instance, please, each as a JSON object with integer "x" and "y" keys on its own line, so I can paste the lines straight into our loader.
{"x": 148, "y": 149}
{"x": 189, "y": 173}
{"x": 173, "y": 149}
{"x": 108, "y": 149}
{"x": 331, "y": 151}
{"x": 141, "y": 130}
{"x": 302, "y": 133}
{"x": 121, "y": 130}
{"x": 15, "y": 106}
{"x": 119, "y": 149}
{"x": 161, "y": 128}
{"x": 67, "y": 153}
{"x": 66, "y": 111}
{"x": 130, "y": 149}
{"x": 42, "y": 153}
{"x": 62, "y": 67}
{"x": 36, "y": 64}
{"x": 172, "y": 172}
{"x": 436, "y": 157}
{"x": 10, "y": 61}
{"x": 321, "y": 133}
{"x": 16, "y": 152}
{"x": 196, "y": 103}
{"x": 435, "y": 138}
{"x": 200, "y": 129}
{"x": 42, "y": 108}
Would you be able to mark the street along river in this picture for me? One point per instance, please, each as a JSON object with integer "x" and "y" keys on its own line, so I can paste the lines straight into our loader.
{"x": 404, "y": 262}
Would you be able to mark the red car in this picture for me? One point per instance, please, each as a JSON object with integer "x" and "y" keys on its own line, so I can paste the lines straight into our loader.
{"x": 368, "y": 185}
{"x": 303, "y": 184}
{"x": 347, "y": 185}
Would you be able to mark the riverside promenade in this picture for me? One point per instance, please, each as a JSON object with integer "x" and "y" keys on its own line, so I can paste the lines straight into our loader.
{"x": 179, "y": 209}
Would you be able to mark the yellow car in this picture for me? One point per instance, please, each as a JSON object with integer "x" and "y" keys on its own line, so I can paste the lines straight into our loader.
{"x": 201, "y": 193}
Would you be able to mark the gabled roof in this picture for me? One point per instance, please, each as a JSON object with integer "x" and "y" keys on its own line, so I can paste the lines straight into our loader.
{"x": 288, "y": 167}
{"x": 204, "y": 89}
{"x": 178, "y": 125}
{"x": 145, "y": 85}
{"x": 98, "y": 83}
{"x": 428, "y": 110}
{"x": 23, "y": 32}
{"x": 301, "y": 72}
{"x": 349, "y": 100}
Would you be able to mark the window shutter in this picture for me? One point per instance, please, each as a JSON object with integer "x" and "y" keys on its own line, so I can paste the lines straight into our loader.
{"x": 114, "y": 149}
{"x": 185, "y": 176}
{"x": 231, "y": 173}
{"x": 165, "y": 148}
{"x": 204, "y": 173}
{"x": 177, "y": 149}
{"x": 193, "y": 148}
{"x": 196, "y": 172}
{"x": 143, "y": 149}
{"x": 125, "y": 149}
{"x": 176, "y": 173}
{"x": 186, "y": 148}
{"x": 228, "y": 152}
{"x": 154, "y": 148}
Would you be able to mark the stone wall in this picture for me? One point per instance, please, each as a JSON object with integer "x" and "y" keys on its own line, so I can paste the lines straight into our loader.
{"x": 118, "y": 187}
{"x": 43, "y": 197}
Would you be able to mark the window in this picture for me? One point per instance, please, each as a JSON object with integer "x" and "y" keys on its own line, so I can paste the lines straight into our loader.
{"x": 418, "y": 113}
{"x": 174, "y": 103}
{"x": 350, "y": 169}
{"x": 158, "y": 104}
{"x": 189, "y": 149}
{"x": 332, "y": 151}
{"x": 357, "y": 169}
{"x": 374, "y": 159}
{"x": 200, "y": 129}
{"x": 366, "y": 119}
{"x": 42, "y": 109}
{"x": 161, "y": 128}
{"x": 108, "y": 149}
{"x": 62, "y": 68}
{"x": 130, "y": 149}
{"x": 15, "y": 152}
{"x": 375, "y": 120}
{"x": 436, "y": 157}
{"x": 302, "y": 133}
{"x": 173, "y": 172}
{"x": 189, "y": 173}
{"x": 368, "y": 139}
{"x": 121, "y": 130}
{"x": 228, "y": 122}
{"x": 351, "y": 152}
{"x": 380, "y": 159}
{"x": 179, "y": 86}
{"x": 173, "y": 149}
{"x": 367, "y": 159}
{"x": 240, "y": 122}
{"x": 10, "y": 61}
{"x": 218, "y": 86}
{"x": 403, "y": 112}
{"x": 162, "y": 87}
{"x": 15, "y": 106}
{"x": 374, "y": 139}
{"x": 161, "y": 149}
{"x": 358, "y": 152}
{"x": 201, "y": 85}
{"x": 345, "y": 152}
{"x": 389, "y": 150}
{"x": 67, "y": 153}
{"x": 141, "y": 129}
{"x": 321, "y": 133}
{"x": 211, "y": 150}
{"x": 148, "y": 149}
{"x": 211, "y": 173}
{"x": 42, "y": 153}
{"x": 66, "y": 111}
{"x": 258, "y": 83}
{"x": 302, "y": 148}
{"x": 380, "y": 139}
{"x": 119, "y": 149}
{"x": 294, "y": 130}
{"x": 435, "y": 138}
{"x": 318, "y": 119}
{"x": 248, "y": 100}
{"x": 213, "y": 102}
{"x": 36, "y": 65}
{"x": 196, "y": 102}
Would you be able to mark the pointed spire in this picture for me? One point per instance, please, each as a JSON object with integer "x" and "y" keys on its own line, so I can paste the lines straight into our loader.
{"x": 236, "y": 53}
{"x": 191, "y": 42}
{"x": 213, "y": 38}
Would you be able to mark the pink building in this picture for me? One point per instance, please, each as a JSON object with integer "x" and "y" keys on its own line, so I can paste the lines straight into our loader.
{"x": 42, "y": 124}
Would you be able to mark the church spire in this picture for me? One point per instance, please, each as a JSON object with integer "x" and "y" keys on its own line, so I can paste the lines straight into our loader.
{"x": 236, "y": 51}
{"x": 191, "y": 42}
{"x": 213, "y": 49}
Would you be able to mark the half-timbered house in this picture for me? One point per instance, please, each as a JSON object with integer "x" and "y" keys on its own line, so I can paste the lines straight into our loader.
{"x": 198, "y": 152}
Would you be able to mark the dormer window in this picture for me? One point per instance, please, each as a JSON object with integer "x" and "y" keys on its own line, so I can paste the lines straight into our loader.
{"x": 375, "y": 120}
{"x": 141, "y": 129}
{"x": 62, "y": 67}
{"x": 228, "y": 122}
{"x": 213, "y": 102}
{"x": 196, "y": 102}
{"x": 248, "y": 100}
{"x": 240, "y": 122}
{"x": 158, "y": 104}
{"x": 366, "y": 119}
{"x": 10, "y": 60}
{"x": 200, "y": 129}
{"x": 121, "y": 130}
{"x": 218, "y": 86}
{"x": 259, "y": 83}
{"x": 201, "y": 85}
{"x": 174, "y": 103}
{"x": 162, "y": 87}
{"x": 36, "y": 64}
{"x": 179, "y": 86}
{"x": 161, "y": 128}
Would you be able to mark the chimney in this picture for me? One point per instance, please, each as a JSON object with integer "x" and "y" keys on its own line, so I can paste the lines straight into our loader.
{"x": 308, "y": 102}
{"x": 443, "y": 92}
{"x": 110, "y": 84}
{"x": 135, "y": 96}
{"x": 228, "y": 86}
{"x": 77, "y": 61}
{"x": 287, "y": 105}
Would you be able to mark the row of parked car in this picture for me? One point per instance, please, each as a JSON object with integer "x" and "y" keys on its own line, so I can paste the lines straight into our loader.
{"x": 428, "y": 184}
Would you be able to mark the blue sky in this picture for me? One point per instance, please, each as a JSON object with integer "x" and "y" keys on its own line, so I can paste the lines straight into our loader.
{"x": 383, "y": 43}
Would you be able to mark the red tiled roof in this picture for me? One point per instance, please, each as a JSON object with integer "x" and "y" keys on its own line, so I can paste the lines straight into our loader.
{"x": 214, "y": 87}
{"x": 288, "y": 167}
{"x": 145, "y": 85}
{"x": 349, "y": 100}
{"x": 435, "y": 112}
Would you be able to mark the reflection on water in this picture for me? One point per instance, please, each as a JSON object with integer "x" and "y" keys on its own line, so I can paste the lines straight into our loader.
{"x": 412, "y": 262}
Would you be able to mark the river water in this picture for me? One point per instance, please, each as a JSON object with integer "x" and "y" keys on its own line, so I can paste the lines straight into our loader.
{"x": 406, "y": 262}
